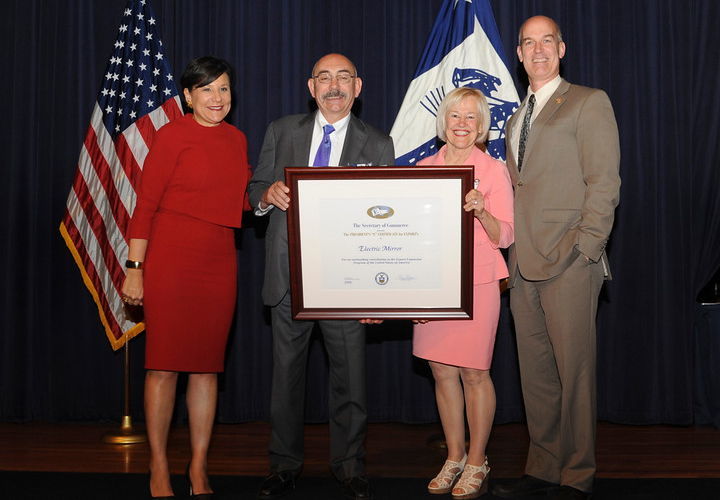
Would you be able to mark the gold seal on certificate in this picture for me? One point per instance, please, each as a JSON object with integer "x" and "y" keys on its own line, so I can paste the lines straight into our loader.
{"x": 380, "y": 242}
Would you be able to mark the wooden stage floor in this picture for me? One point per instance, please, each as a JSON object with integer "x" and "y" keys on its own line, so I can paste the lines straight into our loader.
{"x": 393, "y": 450}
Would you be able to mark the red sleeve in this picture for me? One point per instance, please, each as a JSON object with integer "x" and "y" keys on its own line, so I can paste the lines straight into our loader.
{"x": 157, "y": 170}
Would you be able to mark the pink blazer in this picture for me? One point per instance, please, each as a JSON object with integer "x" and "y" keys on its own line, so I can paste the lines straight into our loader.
{"x": 495, "y": 185}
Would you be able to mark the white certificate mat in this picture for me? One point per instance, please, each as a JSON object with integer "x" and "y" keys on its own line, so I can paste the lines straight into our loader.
{"x": 392, "y": 246}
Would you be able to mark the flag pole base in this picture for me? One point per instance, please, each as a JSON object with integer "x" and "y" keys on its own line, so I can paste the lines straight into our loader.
{"x": 126, "y": 435}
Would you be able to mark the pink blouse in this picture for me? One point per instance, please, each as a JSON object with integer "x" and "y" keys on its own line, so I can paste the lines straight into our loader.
{"x": 496, "y": 188}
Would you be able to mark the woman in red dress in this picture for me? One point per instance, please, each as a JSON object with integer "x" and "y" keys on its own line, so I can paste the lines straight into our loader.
{"x": 182, "y": 263}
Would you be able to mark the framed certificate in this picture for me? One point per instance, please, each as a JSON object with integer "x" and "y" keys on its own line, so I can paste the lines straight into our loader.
{"x": 380, "y": 242}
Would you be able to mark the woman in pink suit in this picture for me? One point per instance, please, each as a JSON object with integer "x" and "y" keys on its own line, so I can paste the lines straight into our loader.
{"x": 460, "y": 352}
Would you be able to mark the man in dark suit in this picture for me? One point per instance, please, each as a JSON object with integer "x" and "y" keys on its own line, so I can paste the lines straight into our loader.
{"x": 331, "y": 136}
{"x": 563, "y": 158}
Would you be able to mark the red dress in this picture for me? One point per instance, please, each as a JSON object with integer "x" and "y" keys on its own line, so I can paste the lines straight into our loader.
{"x": 191, "y": 196}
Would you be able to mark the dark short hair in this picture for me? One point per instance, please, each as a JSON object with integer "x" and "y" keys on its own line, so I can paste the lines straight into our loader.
{"x": 203, "y": 70}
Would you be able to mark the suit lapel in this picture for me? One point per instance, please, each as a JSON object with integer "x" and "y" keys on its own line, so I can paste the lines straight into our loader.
{"x": 355, "y": 139}
{"x": 551, "y": 107}
{"x": 301, "y": 139}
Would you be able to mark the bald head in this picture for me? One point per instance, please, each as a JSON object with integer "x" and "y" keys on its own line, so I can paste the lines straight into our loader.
{"x": 556, "y": 27}
{"x": 334, "y": 59}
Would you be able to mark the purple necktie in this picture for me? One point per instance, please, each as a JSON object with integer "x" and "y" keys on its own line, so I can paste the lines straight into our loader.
{"x": 322, "y": 158}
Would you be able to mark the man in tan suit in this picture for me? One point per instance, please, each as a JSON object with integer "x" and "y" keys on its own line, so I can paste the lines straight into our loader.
{"x": 563, "y": 158}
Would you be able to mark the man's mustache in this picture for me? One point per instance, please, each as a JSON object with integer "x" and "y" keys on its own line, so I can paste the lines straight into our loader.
{"x": 334, "y": 93}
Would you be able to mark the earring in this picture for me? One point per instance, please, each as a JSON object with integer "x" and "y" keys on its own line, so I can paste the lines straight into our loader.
{"x": 189, "y": 104}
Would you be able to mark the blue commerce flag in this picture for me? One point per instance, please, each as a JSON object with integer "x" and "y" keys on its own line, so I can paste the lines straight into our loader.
{"x": 464, "y": 49}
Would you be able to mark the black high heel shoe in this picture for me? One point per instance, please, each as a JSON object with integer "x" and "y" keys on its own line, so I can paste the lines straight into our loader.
{"x": 199, "y": 496}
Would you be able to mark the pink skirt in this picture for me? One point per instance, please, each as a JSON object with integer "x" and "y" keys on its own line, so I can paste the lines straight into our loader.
{"x": 465, "y": 343}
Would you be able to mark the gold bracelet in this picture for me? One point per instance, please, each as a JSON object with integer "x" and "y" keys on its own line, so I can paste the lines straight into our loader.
{"x": 133, "y": 264}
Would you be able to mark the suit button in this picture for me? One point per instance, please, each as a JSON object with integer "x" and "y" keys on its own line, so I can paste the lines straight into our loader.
{"x": 520, "y": 183}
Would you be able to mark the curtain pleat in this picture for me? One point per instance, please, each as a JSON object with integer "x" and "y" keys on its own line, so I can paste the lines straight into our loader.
{"x": 657, "y": 60}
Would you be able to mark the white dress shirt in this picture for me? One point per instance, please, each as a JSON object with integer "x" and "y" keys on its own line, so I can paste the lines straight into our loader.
{"x": 542, "y": 96}
{"x": 337, "y": 138}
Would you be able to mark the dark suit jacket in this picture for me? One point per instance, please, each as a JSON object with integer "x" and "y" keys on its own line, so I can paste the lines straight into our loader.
{"x": 566, "y": 194}
{"x": 287, "y": 144}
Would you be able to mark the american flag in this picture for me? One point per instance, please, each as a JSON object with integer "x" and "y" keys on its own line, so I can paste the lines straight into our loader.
{"x": 138, "y": 96}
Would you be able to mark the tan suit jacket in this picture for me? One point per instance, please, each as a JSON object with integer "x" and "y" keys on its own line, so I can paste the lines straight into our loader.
{"x": 566, "y": 194}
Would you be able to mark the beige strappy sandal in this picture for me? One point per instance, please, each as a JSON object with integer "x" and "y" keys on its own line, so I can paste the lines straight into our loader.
{"x": 473, "y": 482}
{"x": 448, "y": 476}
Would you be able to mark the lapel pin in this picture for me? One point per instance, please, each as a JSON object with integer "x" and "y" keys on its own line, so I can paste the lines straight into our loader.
{"x": 559, "y": 100}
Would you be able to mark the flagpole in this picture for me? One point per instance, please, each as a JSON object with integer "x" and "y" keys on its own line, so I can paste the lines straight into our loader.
{"x": 138, "y": 97}
{"x": 126, "y": 434}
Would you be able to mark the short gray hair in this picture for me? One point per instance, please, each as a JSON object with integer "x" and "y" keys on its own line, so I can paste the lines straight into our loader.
{"x": 455, "y": 96}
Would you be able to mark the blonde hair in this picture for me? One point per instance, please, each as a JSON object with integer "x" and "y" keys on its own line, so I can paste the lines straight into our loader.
{"x": 454, "y": 97}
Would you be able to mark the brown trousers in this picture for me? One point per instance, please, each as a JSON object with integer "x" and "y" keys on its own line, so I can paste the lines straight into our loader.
{"x": 555, "y": 328}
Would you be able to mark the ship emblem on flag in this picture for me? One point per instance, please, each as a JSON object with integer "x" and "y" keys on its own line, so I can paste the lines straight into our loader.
{"x": 464, "y": 50}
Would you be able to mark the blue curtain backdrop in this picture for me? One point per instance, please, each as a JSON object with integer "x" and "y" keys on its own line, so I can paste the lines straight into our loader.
{"x": 658, "y": 60}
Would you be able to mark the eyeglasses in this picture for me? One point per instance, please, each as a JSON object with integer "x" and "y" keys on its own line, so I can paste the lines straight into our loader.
{"x": 342, "y": 78}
